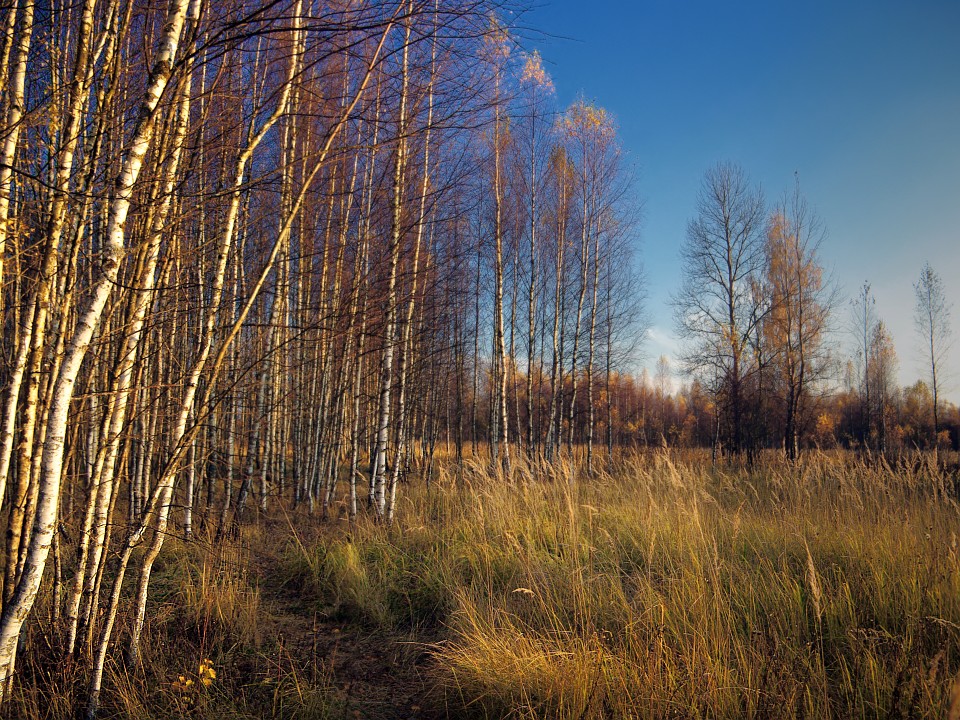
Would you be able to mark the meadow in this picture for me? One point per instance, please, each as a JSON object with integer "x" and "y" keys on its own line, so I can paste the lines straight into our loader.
{"x": 661, "y": 587}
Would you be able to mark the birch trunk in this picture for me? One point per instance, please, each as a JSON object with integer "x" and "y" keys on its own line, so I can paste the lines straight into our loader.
{"x": 556, "y": 365}
{"x": 378, "y": 470}
{"x": 407, "y": 344}
{"x": 500, "y": 414}
{"x": 16, "y": 611}
{"x": 15, "y": 107}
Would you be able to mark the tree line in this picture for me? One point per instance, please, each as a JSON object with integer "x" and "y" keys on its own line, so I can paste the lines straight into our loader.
{"x": 257, "y": 253}
{"x": 758, "y": 316}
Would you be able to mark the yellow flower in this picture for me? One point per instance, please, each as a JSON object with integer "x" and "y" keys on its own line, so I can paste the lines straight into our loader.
{"x": 206, "y": 673}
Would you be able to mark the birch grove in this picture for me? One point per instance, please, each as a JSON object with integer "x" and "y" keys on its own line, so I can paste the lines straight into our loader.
{"x": 276, "y": 256}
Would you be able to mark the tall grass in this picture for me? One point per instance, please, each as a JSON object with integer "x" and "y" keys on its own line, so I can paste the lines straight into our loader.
{"x": 206, "y": 611}
{"x": 662, "y": 586}
{"x": 666, "y": 587}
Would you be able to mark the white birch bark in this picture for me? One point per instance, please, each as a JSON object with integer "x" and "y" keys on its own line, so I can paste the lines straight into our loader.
{"x": 378, "y": 471}
{"x": 103, "y": 478}
{"x": 160, "y": 501}
{"x": 17, "y": 610}
{"x": 500, "y": 414}
{"x": 9, "y": 140}
{"x": 360, "y": 279}
{"x": 556, "y": 365}
{"x": 581, "y": 298}
{"x": 407, "y": 344}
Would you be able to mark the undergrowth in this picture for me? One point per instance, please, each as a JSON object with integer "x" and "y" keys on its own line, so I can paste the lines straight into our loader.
{"x": 660, "y": 587}
{"x": 205, "y": 652}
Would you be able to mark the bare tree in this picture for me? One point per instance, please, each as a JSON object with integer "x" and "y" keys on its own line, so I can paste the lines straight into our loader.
{"x": 932, "y": 323}
{"x": 715, "y": 308}
{"x": 863, "y": 323}
{"x": 240, "y": 265}
{"x": 538, "y": 88}
{"x": 498, "y": 50}
{"x": 21, "y": 600}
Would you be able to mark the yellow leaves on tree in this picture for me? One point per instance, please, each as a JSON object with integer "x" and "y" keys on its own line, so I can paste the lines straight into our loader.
{"x": 534, "y": 74}
{"x": 793, "y": 279}
{"x": 496, "y": 44}
{"x": 825, "y": 430}
{"x": 584, "y": 118}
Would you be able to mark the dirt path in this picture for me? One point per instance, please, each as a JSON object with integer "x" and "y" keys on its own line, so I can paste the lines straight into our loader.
{"x": 369, "y": 673}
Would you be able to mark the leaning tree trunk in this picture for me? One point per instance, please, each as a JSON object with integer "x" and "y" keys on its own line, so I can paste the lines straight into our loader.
{"x": 21, "y": 603}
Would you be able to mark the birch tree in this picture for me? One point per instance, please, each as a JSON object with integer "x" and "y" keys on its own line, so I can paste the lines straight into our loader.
{"x": 715, "y": 308}
{"x": 539, "y": 90}
{"x": 932, "y": 323}
{"x": 801, "y": 300}
{"x": 21, "y": 601}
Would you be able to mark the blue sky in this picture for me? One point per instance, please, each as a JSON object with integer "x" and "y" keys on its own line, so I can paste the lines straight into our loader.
{"x": 860, "y": 99}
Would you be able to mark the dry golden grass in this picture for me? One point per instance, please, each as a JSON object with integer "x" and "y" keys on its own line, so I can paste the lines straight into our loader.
{"x": 211, "y": 649}
{"x": 663, "y": 586}
{"x": 666, "y": 587}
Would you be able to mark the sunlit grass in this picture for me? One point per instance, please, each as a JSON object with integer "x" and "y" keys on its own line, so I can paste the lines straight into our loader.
{"x": 663, "y": 586}
{"x": 667, "y": 588}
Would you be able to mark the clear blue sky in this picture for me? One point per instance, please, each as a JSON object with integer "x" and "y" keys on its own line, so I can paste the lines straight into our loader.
{"x": 860, "y": 99}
